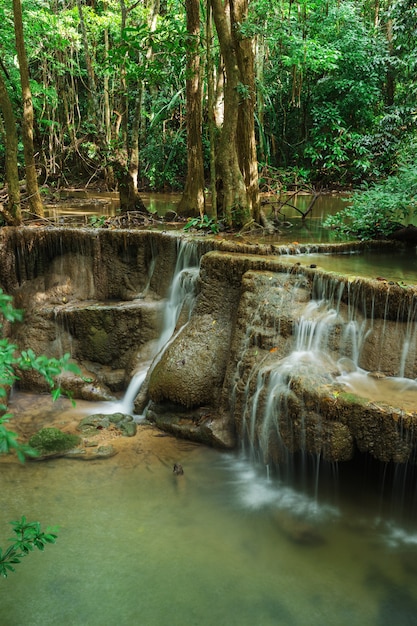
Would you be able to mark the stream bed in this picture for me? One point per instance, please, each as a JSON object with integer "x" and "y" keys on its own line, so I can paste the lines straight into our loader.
{"x": 222, "y": 544}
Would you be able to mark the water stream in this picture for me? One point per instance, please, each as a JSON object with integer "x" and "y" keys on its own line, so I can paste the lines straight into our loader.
{"x": 228, "y": 543}
{"x": 180, "y": 302}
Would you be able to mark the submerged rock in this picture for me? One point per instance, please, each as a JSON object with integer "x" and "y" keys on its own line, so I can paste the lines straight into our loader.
{"x": 197, "y": 425}
{"x": 121, "y": 422}
{"x": 298, "y": 531}
{"x": 83, "y": 454}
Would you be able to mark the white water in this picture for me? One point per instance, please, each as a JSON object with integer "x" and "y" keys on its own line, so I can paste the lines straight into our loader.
{"x": 328, "y": 342}
{"x": 180, "y": 299}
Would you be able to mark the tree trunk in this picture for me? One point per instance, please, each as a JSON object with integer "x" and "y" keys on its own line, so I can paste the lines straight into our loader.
{"x": 12, "y": 213}
{"x": 109, "y": 173}
{"x": 246, "y": 143}
{"x": 192, "y": 201}
{"x": 390, "y": 81}
{"x": 34, "y": 197}
{"x": 234, "y": 198}
{"x": 211, "y": 108}
{"x": 127, "y": 165}
{"x": 91, "y": 82}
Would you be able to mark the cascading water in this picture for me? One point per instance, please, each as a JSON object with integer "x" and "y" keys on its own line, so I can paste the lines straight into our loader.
{"x": 179, "y": 304}
{"x": 331, "y": 343}
{"x": 182, "y": 291}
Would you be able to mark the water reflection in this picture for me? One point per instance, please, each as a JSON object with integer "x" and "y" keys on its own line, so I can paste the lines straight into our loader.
{"x": 79, "y": 206}
{"x": 85, "y": 204}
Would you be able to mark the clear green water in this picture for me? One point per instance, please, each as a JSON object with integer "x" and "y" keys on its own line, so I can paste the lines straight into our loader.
{"x": 399, "y": 266}
{"x": 220, "y": 545}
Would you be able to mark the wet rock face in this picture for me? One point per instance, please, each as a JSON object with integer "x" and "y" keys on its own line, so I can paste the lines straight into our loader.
{"x": 259, "y": 361}
{"x": 93, "y": 294}
{"x": 191, "y": 371}
{"x": 282, "y": 385}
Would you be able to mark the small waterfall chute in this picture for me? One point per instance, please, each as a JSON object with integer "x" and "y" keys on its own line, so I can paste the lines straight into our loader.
{"x": 180, "y": 301}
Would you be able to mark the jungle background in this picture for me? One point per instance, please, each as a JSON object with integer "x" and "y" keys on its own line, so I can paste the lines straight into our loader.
{"x": 234, "y": 97}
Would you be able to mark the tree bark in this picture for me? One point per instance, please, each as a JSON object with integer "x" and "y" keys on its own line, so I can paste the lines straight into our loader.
{"x": 127, "y": 165}
{"x": 246, "y": 143}
{"x": 235, "y": 199}
{"x": 211, "y": 108}
{"x": 34, "y": 197}
{"x": 12, "y": 212}
{"x": 192, "y": 201}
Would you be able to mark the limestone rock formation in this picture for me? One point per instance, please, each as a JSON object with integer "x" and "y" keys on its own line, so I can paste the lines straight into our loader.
{"x": 271, "y": 356}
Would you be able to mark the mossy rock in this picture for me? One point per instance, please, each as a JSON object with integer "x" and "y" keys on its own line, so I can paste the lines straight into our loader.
{"x": 93, "y": 424}
{"x": 52, "y": 441}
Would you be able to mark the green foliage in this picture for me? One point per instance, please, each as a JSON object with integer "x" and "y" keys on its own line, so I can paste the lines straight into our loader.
{"x": 166, "y": 162}
{"x": 381, "y": 208}
{"x": 243, "y": 91}
{"x": 323, "y": 72}
{"x": 202, "y": 223}
{"x": 11, "y": 361}
{"x": 324, "y": 86}
{"x": 9, "y": 443}
{"x": 277, "y": 180}
{"x": 97, "y": 221}
{"x": 27, "y": 537}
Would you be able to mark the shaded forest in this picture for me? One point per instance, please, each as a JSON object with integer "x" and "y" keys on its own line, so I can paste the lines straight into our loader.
{"x": 231, "y": 97}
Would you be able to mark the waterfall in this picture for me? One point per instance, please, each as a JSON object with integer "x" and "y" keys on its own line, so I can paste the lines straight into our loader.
{"x": 333, "y": 344}
{"x": 179, "y": 304}
{"x": 182, "y": 292}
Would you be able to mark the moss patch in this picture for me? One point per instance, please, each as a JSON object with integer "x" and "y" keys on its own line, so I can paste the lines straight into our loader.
{"x": 53, "y": 441}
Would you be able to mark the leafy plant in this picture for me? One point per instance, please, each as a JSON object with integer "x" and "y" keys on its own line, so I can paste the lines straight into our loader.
{"x": 97, "y": 221}
{"x": 202, "y": 223}
{"x": 28, "y": 536}
{"x": 11, "y": 361}
{"x": 381, "y": 208}
{"x": 9, "y": 442}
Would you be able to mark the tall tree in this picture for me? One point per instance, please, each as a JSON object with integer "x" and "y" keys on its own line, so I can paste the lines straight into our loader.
{"x": 235, "y": 200}
{"x": 12, "y": 213}
{"x": 34, "y": 197}
{"x": 127, "y": 164}
{"x": 192, "y": 201}
{"x": 245, "y": 137}
{"x": 211, "y": 107}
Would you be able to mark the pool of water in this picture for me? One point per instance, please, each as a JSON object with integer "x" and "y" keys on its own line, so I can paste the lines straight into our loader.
{"x": 399, "y": 266}
{"x": 224, "y": 544}
{"x": 79, "y": 207}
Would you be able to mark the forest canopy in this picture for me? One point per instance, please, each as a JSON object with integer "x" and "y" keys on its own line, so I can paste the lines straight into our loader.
{"x": 123, "y": 94}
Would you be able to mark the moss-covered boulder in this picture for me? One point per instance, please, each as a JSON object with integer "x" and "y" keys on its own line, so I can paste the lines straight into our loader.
{"x": 53, "y": 442}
